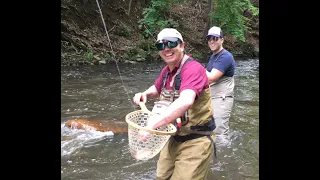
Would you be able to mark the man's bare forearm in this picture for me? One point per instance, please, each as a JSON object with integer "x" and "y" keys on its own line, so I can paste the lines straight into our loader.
{"x": 214, "y": 75}
{"x": 176, "y": 109}
{"x": 151, "y": 92}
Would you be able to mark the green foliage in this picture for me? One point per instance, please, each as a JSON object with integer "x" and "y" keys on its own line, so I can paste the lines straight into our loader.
{"x": 134, "y": 54}
{"x": 89, "y": 54}
{"x": 229, "y": 15}
{"x": 147, "y": 46}
{"x": 154, "y": 17}
{"x": 197, "y": 55}
{"x": 107, "y": 57}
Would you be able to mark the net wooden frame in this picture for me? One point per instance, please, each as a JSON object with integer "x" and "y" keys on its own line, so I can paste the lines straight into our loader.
{"x": 147, "y": 149}
{"x": 136, "y": 114}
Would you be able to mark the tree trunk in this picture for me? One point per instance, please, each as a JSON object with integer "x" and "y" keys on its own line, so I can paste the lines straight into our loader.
{"x": 209, "y": 19}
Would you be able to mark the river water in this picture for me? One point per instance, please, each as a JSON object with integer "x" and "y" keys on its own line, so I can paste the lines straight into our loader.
{"x": 100, "y": 92}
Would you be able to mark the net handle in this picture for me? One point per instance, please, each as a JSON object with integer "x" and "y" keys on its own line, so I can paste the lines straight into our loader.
{"x": 143, "y": 106}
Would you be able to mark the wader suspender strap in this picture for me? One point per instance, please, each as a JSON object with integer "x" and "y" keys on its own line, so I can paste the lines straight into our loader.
{"x": 177, "y": 80}
{"x": 164, "y": 79}
{"x": 178, "y": 71}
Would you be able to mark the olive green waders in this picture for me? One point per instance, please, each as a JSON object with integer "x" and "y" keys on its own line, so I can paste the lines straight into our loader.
{"x": 187, "y": 160}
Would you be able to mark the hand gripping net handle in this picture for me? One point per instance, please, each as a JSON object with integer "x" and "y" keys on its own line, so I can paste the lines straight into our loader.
{"x": 147, "y": 149}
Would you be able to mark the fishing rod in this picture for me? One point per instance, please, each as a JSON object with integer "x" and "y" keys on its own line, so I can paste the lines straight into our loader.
{"x": 114, "y": 56}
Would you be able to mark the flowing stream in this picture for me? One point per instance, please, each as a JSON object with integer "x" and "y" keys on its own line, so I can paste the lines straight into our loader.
{"x": 97, "y": 92}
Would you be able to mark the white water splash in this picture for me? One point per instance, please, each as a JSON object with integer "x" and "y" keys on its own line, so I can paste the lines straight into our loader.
{"x": 73, "y": 140}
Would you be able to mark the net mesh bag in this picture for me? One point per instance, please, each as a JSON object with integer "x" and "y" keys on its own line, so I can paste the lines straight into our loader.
{"x": 151, "y": 146}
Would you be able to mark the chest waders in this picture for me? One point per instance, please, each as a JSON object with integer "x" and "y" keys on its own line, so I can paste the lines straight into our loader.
{"x": 222, "y": 92}
{"x": 168, "y": 96}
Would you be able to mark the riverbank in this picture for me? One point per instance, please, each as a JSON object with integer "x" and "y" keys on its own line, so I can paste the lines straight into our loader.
{"x": 84, "y": 40}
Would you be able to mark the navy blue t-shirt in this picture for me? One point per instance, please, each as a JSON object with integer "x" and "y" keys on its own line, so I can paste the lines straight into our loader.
{"x": 223, "y": 61}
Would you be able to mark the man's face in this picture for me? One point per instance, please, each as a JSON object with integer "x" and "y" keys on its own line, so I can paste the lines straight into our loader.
{"x": 172, "y": 52}
{"x": 214, "y": 43}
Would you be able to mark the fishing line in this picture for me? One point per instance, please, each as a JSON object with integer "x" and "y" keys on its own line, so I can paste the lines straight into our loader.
{"x": 114, "y": 56}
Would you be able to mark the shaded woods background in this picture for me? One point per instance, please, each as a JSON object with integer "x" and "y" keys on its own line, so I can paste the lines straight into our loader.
{"x": 132, "y": 26}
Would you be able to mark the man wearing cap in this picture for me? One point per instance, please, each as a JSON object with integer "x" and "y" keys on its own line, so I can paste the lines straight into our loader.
{"x": 184, "y": 85}
{"x": 220, "y": 71}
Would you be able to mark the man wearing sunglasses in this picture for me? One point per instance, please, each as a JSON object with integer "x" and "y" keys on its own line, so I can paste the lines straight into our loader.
{"x": 220, "y": 71}
{"x": 184, "y": 87}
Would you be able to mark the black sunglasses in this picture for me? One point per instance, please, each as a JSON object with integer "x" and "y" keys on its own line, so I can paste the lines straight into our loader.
{"x": 212, "y": 38}
{"x": 169, "y": 44}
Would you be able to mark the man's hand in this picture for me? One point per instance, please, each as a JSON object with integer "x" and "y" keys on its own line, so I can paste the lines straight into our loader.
{"x": 138, "y": 97}
{"x": 154, "y": 119}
